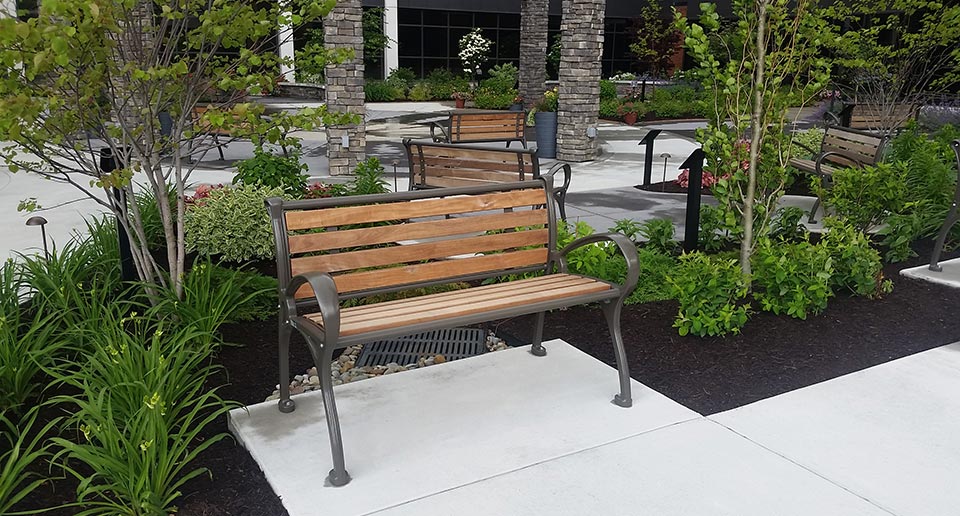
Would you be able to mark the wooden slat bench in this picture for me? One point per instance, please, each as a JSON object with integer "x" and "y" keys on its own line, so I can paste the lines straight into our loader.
{"x": 875, "y": 118}
{"x": 481, "y": 126}
{"x": 436, "y": 165}
{"x": 841, "y": 148}
{"x": 204, "y": 128}
{"x": 336, "y": 249}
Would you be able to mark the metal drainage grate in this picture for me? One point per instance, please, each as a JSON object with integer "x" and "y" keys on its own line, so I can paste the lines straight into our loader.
{"x": 452, "y": 343}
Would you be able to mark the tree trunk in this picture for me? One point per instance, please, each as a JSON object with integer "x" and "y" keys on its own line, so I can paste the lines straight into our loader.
{"x": 756, "y": 137}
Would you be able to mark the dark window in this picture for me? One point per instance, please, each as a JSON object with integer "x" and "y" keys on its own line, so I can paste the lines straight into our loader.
{"x": 508, "y": 46}
{"x": 432, "y": 17}
{"x": 486, "y": 20}
{"x": 409, "y": 41}
{"x": 413, "y": 64}
{"x": 408, "y": 16}
{"x": 510, "y": 21}
{"x": 461, "y": 19}
{"x": 434, "y": 39}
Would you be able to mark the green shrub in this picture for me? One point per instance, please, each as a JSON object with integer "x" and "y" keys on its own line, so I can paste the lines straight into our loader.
{"x": 381, "y": 91}
{"x": 810, "y": 138}
{"x": 711, "y": 292}
{"x": 714, "y": 233}
{"x": 22, "y": 447}
{"x": 652, "y": 285}
{"x": 608, "y": 90}
{"x": 232, "y": 223}
{"x": 368, "y": 178}
{"x": 627, "y": 227}
{"x": 489, "y": 98}
{"x": 864, "y": 197}
{"x": 502, "y": 77}
{"x": 443, "y": 83}
{"x": 659, "y": 234}
{"x": 402, "y": 76}
{"x": 900, "y": 231}
{"x": 792, "y": 278}
{"x": 668, "y": 108}
{"x": 786, "y": 224}
{"x": 609, "y": 108}
{"x": 265, "y": 169}
{"x": 420, "y": 92}
{"x": 856, "y": 265}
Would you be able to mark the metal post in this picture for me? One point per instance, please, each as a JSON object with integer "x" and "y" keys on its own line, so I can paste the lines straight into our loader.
{"x": 109, "y": 163}
{"x": 694, "y": 163}
{"x": 648, "y": 154}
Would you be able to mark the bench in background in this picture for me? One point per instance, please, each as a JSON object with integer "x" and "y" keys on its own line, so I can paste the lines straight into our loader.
{"x": 337, "y": 249}
{"x": 841, "y": 148}
{"x": 875, "y": 118}
{"x": 481, "y": 126}
{"x": 434, "y": 165}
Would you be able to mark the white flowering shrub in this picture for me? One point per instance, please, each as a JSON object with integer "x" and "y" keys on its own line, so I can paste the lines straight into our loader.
{"x": 474, "y": 51}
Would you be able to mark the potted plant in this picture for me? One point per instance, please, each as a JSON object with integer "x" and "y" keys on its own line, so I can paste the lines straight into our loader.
{"x": 630, "y": 110}
{"x": 461, "y": 98}
{"x": 545, "y": 120}
{"x": 517, "y": 103}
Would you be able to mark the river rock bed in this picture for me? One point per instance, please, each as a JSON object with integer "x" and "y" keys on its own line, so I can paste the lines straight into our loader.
{"x": 344, "y": 369}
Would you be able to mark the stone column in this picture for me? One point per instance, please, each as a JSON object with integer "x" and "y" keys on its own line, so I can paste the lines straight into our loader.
{"x": 581, "y": 50}
{"x": 345, "y": 143}
{"x": 533, "y": 49}
{"x": 391, "y": 27}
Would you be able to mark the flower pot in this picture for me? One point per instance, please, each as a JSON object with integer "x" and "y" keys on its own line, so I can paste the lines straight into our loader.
{"x": 516, "y": 106}
{"x": 546, "y": 127}
{"x": 461, "y": 103}
{"x": 630, "y": 118}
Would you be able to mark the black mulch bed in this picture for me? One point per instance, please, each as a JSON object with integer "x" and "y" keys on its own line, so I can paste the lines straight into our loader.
{"x": 773, "y": 355}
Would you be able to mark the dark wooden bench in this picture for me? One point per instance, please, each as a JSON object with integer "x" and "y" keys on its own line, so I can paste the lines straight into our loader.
{"x": 435, "y": 165}
{"x": 335, "y": 249}
{"x": 481, "y": 126}
{"x": 841, "y": 148}
{"x": 874, "y": 118}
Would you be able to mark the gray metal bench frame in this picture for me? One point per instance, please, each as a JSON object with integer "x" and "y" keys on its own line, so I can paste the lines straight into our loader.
{"x": 324, "y": 339}
{"x": 519, "y": 159}
{"x": 952, "y": 217}
{"x": 450, "y": 132}
{"x": 841, "y": 147}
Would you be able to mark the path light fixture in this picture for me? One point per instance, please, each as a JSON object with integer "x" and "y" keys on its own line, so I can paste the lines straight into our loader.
{"x": 37, "y": 220}
{"x": 665, "y": 156}
{"x": 395, "y": 163}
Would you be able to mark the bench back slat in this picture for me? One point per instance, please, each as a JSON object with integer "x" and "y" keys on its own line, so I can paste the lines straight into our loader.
{"x": 869, "y": 116}
{"x": 446, "y": 165}
{"x": 415, "y": 238}
{"x": 468, "y": 127}
{"x": 414, "y": 230}
{"x": 862, "y": 147}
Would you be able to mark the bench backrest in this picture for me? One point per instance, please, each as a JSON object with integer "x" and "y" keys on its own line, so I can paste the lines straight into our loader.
{"x": 373, "y": 244}
{"x": 447, "y": 165}
{"x": 481, "y": 127}
{"x": 880, "y": 118}
{"x": 858, "y": 146}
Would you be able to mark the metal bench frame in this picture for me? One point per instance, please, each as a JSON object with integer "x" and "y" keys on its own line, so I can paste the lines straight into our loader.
{"x": 324, "y": 339}
{"x": 523, "y": 163}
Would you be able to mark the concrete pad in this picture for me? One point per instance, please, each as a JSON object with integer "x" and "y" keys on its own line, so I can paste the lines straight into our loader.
{"x": 417, "y": 433}
{"x": 888, "y": 433}
{"x": 696, "y": 468}
{"x": 949, "y": 276}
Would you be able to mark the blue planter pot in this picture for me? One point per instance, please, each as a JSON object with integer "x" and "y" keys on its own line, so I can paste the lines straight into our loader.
{"x": 546, "y": 127}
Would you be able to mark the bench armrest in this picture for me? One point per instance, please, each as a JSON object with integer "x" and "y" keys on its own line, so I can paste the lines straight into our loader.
{"x": 833, "y": 153}
{"x": 444, "y": 138}
{"x": 565, "y": 168}
{"x": 627, "y": 248}
{"x": 325, "y": 292}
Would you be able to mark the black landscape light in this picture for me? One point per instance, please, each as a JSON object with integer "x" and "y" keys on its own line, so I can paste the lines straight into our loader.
{"x": 42, "y": 222}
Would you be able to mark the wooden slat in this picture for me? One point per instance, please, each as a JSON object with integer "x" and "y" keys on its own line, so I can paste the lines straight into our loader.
{"x": 349, "y": 327}
{"x": 479, "y": 154}
{"x": 466, "y": 296}
{"x": 415, "y": 230}
{"x": 327, "y": 217}
{"x": 480, "y": 130}
{"x": 505, "y": 164}
{"x": 383, "y": 256}
{"x": 506, "y": 115}
{"x": 840, "y": 134}
{"x": 426, "y": 272}
{"x": 494, "y": 176}
{"x": 452, "y": 182}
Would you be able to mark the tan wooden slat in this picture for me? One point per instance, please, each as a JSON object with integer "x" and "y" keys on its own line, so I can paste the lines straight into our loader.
{"x": 479, "y": 130}
{"x": 415, "y": 230}
{"x": 348, "y": 327}
{"x": 452, "y": 182}
{"x": 462, "y": 297}
{"x": 327, "y": 217}
{"x": 477, "y": 124}
{"x": 496, "y": 176}
{"x": 501, "y": 163}
{"x": 356, "y": 281}
{"x": 847, "y": 135}
{"x": 380, "y": 257}
{"x": 479, "y": 154}
{"x": 853, "y": 148}
{"x": 508, "y": 115}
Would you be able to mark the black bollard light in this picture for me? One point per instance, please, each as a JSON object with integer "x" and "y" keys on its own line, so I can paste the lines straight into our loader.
{"x": 109, "y": 163}
{"x": 648, "y": 154}
{"x": 37, "y": 220}
{"x": 693, "y": 163}
{"x": 663, "y": 182}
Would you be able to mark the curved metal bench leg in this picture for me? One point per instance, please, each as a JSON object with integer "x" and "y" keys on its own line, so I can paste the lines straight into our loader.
{"x": 536, "y": 347}
{"x": 950, "y": 220}
{"x": 338, "y": 476}
{"x": 286, "y": 405}
{"x": 611, "y": 311}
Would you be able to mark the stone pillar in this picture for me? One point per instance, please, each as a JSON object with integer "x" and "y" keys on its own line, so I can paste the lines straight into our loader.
{"x": 345, "y": 143}
{"x": 581, "y": 50}
{"x": 285, "y": 48}
{"x": 533, "y": 49}
{"x": 391, "y": 27}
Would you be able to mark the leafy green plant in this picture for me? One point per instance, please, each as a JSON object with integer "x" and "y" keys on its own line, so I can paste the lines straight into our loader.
{"x": 402, "y": 75}
{"x": 232, "y": 223}
{"x": 502, "y": 77}
{"x": 802, "y": 141}
{"x": 792, "y": 278}
{"x": 489, "y": 98}
{"x": 786, "y": 224}
{"x": 609, "y": 108}
{"x": 711, "y": 293}
{"x": 442, "y": 83}
{"x": 856, "y": 265}
{"x": 420, "y": 92}
{"x": 381, "y": 91}
{"x": 368, "y": 178}
{"x": 652, "y": 285}
{"x": 271, "y": 171}
{"x": 627, "y": 227}
{"x": 22, "y": 445}
{"x": 865, "y": 196}
{"x": 608, "y": 90}
{"x": 900, "y": 231}
{"x": 714, "y": 228}
{"x": 659, "y": 234}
